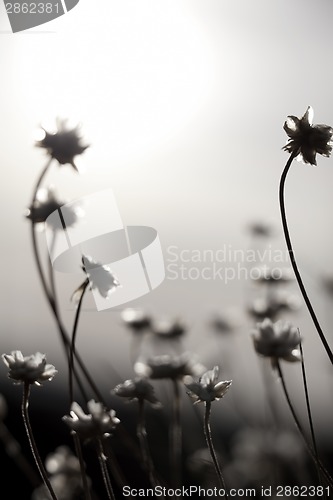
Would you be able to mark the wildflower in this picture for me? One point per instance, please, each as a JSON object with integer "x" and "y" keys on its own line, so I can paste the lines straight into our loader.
{"x": 271, "y": 307}
{"x": 222, "y": 324}
{"x": 138, "y": 389}
{"x": 207, "y": 389}
{"x": 260, "y": 229}
{"x": 136, "y": 319}
{"x": 63, "y": 144}
{"x": 305, "y": 139}
{"x": 45, "y": 204}
{"x": 96, "y": 424}
{"x": 277, "y": 340}
{"x": 167, "y": 366}
{"x": 169, "y": 328}
{"x": 28, "y": 369}
{"x": 275, "y": 275}
{"x": 99, "y": 276}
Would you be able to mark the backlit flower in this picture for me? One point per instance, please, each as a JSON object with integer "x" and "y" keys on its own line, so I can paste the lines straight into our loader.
{"x": 45, "y": 204}
{"x": 136, "y": 319}
{"x": 167, "y": 366}
{"x": 96, "y": 424}
{"x": 28, "y": 369}
{"x": 277, "y": 340}
{"x": 208, "y": 389}
{"x": 169, "y": 328}
{"x": 63, "y": 144}
{"x": 305, "y": 139}
{"x": 100, "y": 277}
{"x": 137, "y": 389}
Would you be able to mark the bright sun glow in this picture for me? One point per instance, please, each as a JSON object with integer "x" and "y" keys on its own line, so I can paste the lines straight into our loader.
{"x": 134, "y": 77}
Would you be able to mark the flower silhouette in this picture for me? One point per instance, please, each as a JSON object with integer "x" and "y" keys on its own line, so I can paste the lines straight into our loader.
{"x": 167, "y": 366}
{"x": 277, "y": 340}
{"x": 63, "y": 144}
{"x": 138, "y": 389}
{"x": 207, "y": 389}
{"x": 96, "y": 424}
{"x": 305, "y": 139}
{"x": 100, "y": 277}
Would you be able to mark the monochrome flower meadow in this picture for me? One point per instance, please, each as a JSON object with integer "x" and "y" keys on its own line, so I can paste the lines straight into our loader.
{"x": 178, "y": 423}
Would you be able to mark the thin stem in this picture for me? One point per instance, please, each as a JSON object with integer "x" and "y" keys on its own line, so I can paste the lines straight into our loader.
{"x": 105, "y": 473}
{"x": 33, "y": 446}
{"x": 142, "y": 436}
{"x": 176, "y": 437}
{"x": 78, "y": 449}
{"x": 300, "y": 427}
{"x": 308, "y": 407}
{"x": 209, "y": 440}
{"x": 72, "y": 348}
{"x": 293, "y": 261}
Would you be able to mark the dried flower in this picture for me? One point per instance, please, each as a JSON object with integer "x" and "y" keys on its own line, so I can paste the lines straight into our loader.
{"x": 169, "y": 328}
{"x": 96, "y": 424}
{"x": 136, "y": 319}
{"x": 28, "y": 369}
{"x": 260, "y": 229}
{"x": 63, "y": 144}
{"x": 277, "y": 340}
{"x": 274, "y": 275}
{"x": 100, "y": 277}
{"x": 306, "y": 139}
{"x": 207, "y": 389}
{"x": 167, "y": 366}
{"x": 137, "y": 389}
{"x": 45, "y": 204}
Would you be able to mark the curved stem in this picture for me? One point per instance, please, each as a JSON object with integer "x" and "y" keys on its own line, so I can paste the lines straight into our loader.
{"x": 142, "y": 436}
{"x": 300, "y": 427}
{"x": 105, "y": 473}
{"x": 176, "y": 436}
{"x": 308, "y": 407}
{"x": 85, "y": 484}
{"x": 209, "y": 440}
{"x": 72, "y": 347}
{"x": 293, "y": 261}
{"x": 33, "y": 446}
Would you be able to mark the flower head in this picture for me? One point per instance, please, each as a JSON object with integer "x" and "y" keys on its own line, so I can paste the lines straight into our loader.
{"x": 305, "y": 139}
{"x": 99, "y": 276}
{"x": 169, "y": 328}
{"x": 45, "y": 204}
{"x": 139, "y": 389}
{"x": 277, "y": 340}
{"x": 167, "y": 366}
{"x": 136, "y": 319}
{"x": 63, "y": 144}
{"x": 96, "y": 424}
{"x": 207, "y": 389}
{"x": 28, "y": 369}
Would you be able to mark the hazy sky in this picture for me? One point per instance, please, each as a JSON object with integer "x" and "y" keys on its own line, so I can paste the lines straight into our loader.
{"x": 183, "y": 103}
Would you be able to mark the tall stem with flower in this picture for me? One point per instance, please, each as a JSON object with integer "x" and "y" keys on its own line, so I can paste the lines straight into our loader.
{"x": 280, "y": 341}
{"x": 30, "y": 370}
{"x": 206, "y": 390}
{"x": 305, "y": 141}
{"x": 94, "y": 427}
